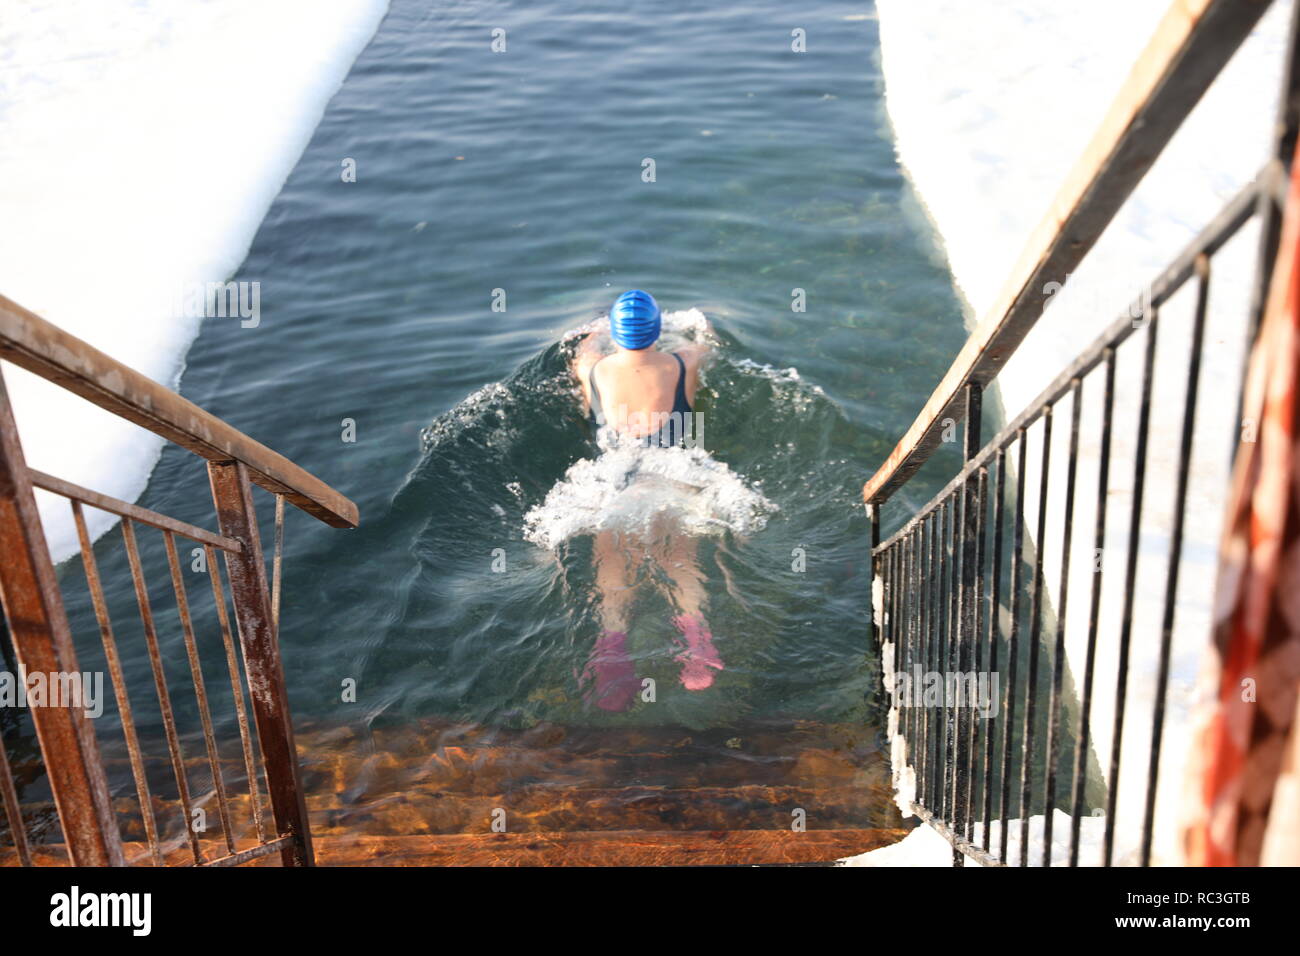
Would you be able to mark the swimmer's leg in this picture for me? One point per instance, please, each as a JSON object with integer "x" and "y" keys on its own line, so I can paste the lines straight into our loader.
{"x": 615, "y": 578}
{"x": 699, "y": 658}
{"x": 610, "y": 669}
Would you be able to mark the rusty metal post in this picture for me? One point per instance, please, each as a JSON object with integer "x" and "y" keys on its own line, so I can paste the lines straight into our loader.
{"x": 232, "y": 495}
{"x": 43, "y": 643}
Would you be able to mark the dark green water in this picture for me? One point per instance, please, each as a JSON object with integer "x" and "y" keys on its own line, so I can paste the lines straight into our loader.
{"x": 522, "y": 171}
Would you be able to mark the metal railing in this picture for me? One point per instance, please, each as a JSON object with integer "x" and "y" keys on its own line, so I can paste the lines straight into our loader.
{"x": 960, "y": 586}
{"x": 69, "y": 750}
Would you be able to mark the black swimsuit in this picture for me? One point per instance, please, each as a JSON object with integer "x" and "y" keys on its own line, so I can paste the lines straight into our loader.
{"x": 674, "y": 430}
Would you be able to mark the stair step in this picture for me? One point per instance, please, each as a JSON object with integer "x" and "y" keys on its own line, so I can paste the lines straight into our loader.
{"x": 430, "y": 778}
{"x": 548, "y": 808}
{"x": 604, "y": 848}
{"x": 575, "y": 848}
{"x": 426, "y": 810}
{"x": 437, "y": 778}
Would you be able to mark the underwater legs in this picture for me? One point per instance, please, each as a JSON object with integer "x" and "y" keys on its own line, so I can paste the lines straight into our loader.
{"x": 610, "y": 669}
{"x": 612, "y": 675}
{"x": 699, "y": 658}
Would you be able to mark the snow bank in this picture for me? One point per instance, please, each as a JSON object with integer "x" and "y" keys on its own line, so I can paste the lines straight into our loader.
{"x": 143, "y": 144}
{"x": 925, "y": 847}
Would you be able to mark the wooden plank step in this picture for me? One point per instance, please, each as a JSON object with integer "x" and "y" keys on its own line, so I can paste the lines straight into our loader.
{"x": 578, "y": 848}
{"x": 546, "y": 809}
{"x": 537, "y": 808}
{"x": 604, "y": 848}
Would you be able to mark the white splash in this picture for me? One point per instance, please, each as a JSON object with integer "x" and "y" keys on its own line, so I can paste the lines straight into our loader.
{"x": 636, "y": 489}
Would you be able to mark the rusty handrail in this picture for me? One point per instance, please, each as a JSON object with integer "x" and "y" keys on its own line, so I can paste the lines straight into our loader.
{"x": 124, "y": 509}
{"x": 39, "y": 628}
{"x": 30, "y": 342}
{"x": 1191, "y": 45}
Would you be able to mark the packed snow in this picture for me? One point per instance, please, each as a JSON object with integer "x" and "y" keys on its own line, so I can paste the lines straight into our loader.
{"x": 143, "y": 144}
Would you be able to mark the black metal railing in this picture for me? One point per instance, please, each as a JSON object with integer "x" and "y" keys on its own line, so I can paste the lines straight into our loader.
{"x": 962, "y": 593}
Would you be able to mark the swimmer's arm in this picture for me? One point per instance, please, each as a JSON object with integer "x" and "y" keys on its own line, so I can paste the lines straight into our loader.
{"x": 695, "y": 355}
{"x": 587, "y": 355}
{"x": 694, "y": 358}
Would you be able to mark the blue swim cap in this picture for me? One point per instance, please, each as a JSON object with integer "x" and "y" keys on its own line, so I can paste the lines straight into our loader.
{"x": 634, "y": 320}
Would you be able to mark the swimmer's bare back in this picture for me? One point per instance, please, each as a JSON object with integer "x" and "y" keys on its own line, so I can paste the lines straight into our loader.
{"x": 636, "y": 386}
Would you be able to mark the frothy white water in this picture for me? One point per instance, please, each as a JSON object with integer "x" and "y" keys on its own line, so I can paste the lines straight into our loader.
{"x": 644, "y": 491}
{"x": 143, "y": 145}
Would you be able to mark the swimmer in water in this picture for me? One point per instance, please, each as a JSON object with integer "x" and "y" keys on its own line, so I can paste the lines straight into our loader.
{"x": 647, "y": 394}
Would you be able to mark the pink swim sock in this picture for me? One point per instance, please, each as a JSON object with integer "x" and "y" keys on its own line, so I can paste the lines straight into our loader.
{"x": 699, "y": 655}
{"x": 614, "y": 685}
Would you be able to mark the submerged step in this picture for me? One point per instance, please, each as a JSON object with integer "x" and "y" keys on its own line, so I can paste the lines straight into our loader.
{"x": 438, "y": 778}
{"x": 579, "y": 848}
{"x": 545, "y": 808}
{"x": 605, "y": 848}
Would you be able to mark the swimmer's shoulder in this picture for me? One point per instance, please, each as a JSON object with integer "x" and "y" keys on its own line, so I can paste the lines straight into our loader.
{"x": 693, "y": 356}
